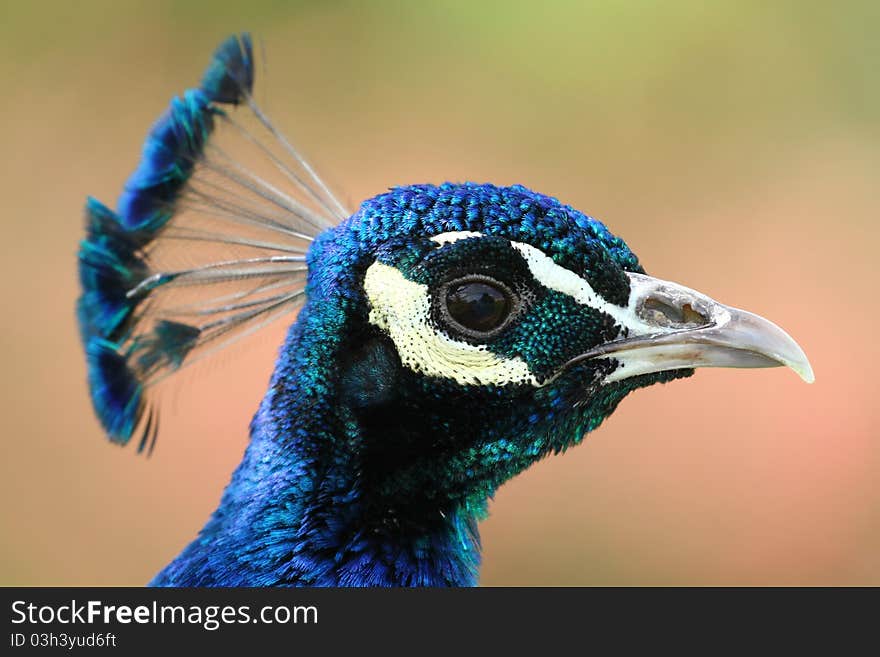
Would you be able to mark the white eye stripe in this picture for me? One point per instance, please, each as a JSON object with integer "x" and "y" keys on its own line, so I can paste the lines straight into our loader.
{"x": 558, "y": 278}
{"x": 402, "y": 309}
{"x": 449, "y": 238}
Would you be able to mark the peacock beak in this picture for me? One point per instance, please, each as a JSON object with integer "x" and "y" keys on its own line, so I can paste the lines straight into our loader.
{"x": 674, "y": 327}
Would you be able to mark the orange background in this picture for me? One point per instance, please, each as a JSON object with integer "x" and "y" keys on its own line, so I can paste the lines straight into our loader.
{"x": 734, "y": 147}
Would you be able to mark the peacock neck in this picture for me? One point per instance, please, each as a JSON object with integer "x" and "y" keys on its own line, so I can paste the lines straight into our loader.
{"x": 297, "y": 511}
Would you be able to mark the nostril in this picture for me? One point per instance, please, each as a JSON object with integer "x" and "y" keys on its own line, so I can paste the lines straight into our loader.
{"x": 692, "y": 316}
{"x": 663, "y": 313}
{"x": 658, "y": 310}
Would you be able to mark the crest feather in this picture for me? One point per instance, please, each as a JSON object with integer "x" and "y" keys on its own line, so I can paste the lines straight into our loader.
{"x": 142, "y": 315}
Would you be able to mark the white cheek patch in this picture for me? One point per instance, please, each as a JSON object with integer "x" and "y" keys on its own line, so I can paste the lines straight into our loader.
{"x": 402, "y": 309}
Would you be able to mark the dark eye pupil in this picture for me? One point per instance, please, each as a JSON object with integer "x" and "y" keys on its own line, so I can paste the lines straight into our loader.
{"x": 477, "y": 306}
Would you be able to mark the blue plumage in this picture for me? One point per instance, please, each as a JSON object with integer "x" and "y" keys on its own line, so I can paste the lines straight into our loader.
{"x": 108, "y": 268}
{"x": 230, "y": 75}
{"x": 113, "y": 257}
{"x": 170, "y": 153}
{"x": 177, "y": 140}
{"x": 449, "y": 336}
{"x": 293, "y": 513}
{"x": 116, "y": 394}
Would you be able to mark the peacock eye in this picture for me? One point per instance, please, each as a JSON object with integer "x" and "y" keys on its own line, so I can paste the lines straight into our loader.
{"x": 481, "y": 306}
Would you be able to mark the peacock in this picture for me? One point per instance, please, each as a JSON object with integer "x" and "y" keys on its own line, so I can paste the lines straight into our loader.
{"x": 448, "y": 336}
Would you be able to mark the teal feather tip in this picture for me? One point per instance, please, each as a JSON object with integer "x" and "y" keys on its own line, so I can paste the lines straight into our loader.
{"x": 117, "y": 395}
{"x": 108, "y": 268}
{"x": 113, "y": 261}
{"x": 230, "y": 75}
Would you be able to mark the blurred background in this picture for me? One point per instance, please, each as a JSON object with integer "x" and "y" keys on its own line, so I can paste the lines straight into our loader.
{"x": 734, "y": 145}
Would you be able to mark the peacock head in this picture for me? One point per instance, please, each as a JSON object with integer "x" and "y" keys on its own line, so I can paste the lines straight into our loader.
{"x": 452, "y": 335}
{"x": 485, "y": 327}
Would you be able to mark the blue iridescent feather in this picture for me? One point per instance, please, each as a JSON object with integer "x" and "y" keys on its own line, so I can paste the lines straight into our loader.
{"x": 113, "y": 259}
{"x": 177, "y": 140}
{"x": 170, "y": 153}
{"x": 116, "y": 394}
{"x": 230, "y": 75}
{"x": 109, "y": 267}
{"x": 166, "y": 346}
